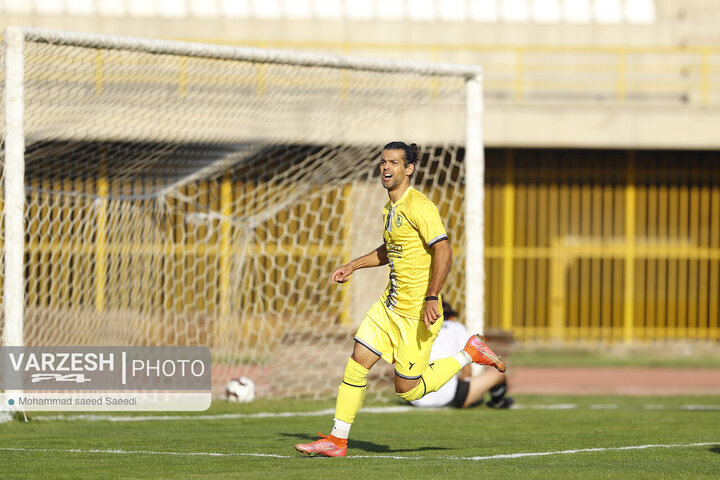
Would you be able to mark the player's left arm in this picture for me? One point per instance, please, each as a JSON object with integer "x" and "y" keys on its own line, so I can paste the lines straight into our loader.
{"x": 442, "y": 258}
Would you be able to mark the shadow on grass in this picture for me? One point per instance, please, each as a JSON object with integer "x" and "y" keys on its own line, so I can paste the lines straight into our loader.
{"x": 715, "y": 449}
{"x": 363, "y": 445}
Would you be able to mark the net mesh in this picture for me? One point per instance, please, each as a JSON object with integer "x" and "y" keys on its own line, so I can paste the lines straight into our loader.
{"x": 182, "y": 200}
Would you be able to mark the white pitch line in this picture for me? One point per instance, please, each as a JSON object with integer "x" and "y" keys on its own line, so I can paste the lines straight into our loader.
{"x": 142, "y": 452}
{"x": 586, "y": 450}
{"x": 220, "y": 416}
{"x": 319, "y": 413}
{"x": 551, "y": 406}
{"x": 700, "y": 407}
{"x": 392, "y": 457}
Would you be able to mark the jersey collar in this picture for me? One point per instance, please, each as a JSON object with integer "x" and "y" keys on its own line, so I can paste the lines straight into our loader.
{"x": 403, "y": 196}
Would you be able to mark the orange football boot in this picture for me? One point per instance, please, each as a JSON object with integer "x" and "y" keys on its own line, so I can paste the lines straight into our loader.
{"x": 481, "y": 353}
{"x": 324, "y": 447}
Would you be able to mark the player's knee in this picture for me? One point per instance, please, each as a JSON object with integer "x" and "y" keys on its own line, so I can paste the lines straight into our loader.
{"x": 402, "y": 389}
{"x": 364, "y": 356}
{"x": 409, "y": 390}
{"x": 403, "y": 384}
{"x": 414, "y": 394}
{"x": 355, "y": 374}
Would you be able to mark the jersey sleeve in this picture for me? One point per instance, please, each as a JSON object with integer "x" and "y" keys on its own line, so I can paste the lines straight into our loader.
{"x": 426, "y": 218}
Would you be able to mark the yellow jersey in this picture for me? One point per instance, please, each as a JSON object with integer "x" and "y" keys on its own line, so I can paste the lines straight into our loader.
{"x": 412, "y": 227}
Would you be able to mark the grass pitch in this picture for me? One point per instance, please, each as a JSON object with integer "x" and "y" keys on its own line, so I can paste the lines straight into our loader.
{"x": 544, "y": 438}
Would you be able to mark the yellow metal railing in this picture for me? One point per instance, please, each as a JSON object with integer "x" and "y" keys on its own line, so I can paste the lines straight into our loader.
{"x": 682, "y": 76}
{"x": 604, "y": 246}
{"x": 625, "y": 74}
{"x": 621, "y": 247}
{"x": 101, "y": 239}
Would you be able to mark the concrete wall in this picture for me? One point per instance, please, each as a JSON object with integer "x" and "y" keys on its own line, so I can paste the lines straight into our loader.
{"x": 654, "y": 92}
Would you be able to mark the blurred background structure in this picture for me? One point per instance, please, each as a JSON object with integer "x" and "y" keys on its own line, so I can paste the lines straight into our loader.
{"x": 559, "y": 73}
{"x": 601, "y": 132}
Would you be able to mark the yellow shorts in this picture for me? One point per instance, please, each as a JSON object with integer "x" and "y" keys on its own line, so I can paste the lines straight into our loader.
{"x": 402, "y": 341}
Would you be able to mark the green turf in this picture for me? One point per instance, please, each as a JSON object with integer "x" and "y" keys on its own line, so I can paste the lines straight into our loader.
{"x": 430, "y": 437}
{"x": 662, "y": 357}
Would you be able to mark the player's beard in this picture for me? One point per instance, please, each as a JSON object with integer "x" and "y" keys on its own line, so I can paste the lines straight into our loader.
{"x": 391, "y": 183}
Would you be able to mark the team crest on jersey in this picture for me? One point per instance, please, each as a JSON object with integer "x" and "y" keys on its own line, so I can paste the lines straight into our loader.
{"x": 399, "y": 221}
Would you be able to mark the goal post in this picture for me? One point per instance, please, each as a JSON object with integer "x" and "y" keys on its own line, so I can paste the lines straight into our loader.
{"x": 474, "y": 286}
{"x": 173, "y": 193}
{"x": 14, "y": 188}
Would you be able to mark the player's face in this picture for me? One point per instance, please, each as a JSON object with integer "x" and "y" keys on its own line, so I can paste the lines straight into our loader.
{"x": 393, "y": 171}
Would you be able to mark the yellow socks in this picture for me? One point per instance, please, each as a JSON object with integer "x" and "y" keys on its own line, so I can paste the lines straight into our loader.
{"x": 352, "y": 389}
{"x": 439, "y": 372}
{"x": 351, "y": 392}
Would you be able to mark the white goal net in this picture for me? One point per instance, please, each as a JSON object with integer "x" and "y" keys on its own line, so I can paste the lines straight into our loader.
{"x": 168, "y": 193}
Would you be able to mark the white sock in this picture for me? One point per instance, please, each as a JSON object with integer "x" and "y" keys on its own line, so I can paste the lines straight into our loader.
{"x": 463, "y": 358}
{"x": 341, "y": 429}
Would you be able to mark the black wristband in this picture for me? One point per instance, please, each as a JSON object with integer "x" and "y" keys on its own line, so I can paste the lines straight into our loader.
{"x": 431, "y": 297}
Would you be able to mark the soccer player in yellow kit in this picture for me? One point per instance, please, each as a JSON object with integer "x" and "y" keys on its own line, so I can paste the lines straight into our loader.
{"x": 401, "y": 327}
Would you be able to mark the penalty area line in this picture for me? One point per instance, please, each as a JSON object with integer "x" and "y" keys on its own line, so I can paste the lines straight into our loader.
{"x": 502, "y": 456}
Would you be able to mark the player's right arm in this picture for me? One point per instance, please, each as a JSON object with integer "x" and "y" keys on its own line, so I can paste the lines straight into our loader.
{"x": 376, "y": 258}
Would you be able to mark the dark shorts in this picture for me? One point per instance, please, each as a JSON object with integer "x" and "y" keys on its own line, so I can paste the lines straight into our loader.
{"x": 461, "y": 393}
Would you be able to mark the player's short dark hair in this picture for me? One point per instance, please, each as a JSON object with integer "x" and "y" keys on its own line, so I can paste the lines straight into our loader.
{"x": 410, "y": 151}
{"x": 448, "y": 310}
